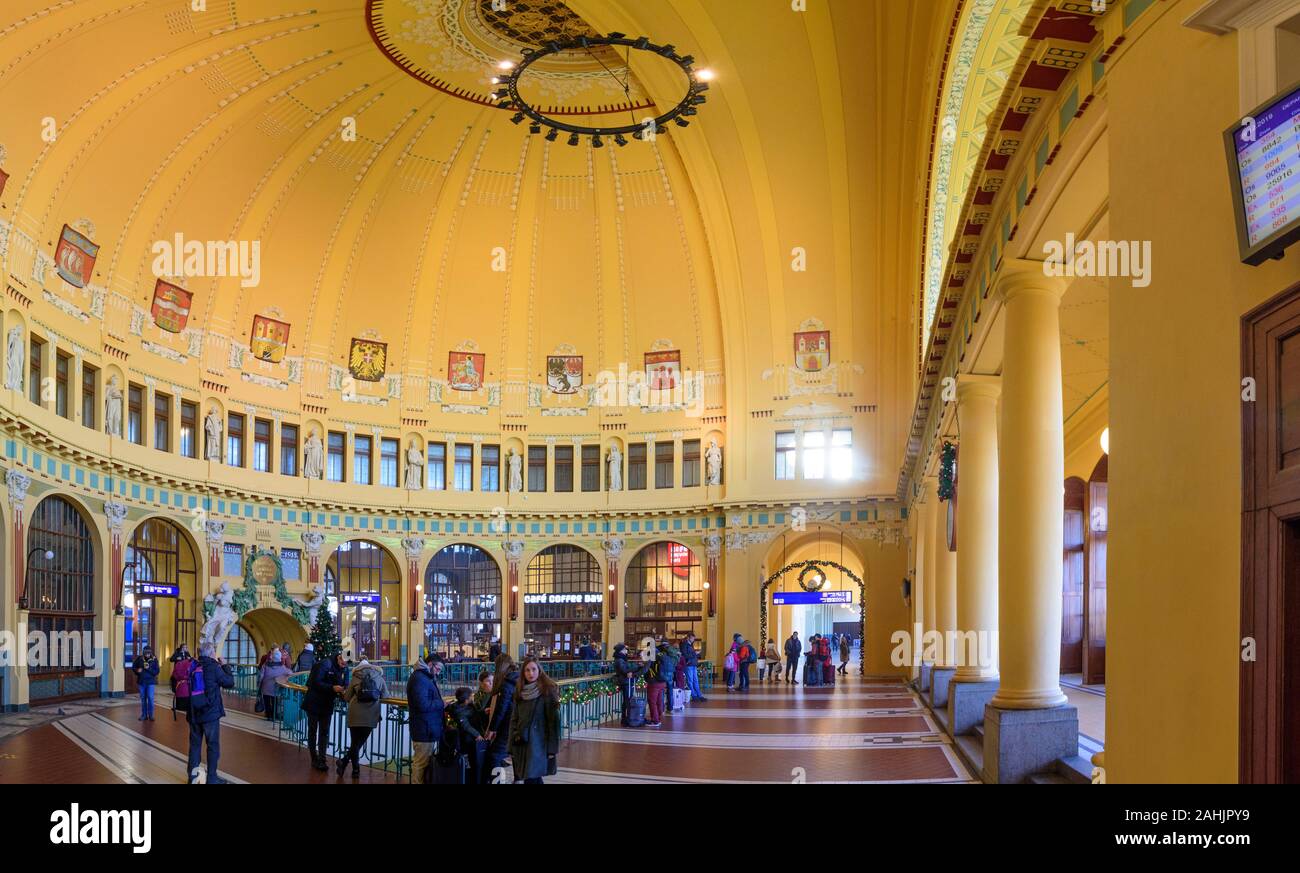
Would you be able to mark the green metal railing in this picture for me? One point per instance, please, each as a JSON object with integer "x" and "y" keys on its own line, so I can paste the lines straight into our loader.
{"x": 586, "y": 701}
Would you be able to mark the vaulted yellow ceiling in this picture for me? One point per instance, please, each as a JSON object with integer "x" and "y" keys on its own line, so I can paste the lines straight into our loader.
{"x": 792, "y": 200}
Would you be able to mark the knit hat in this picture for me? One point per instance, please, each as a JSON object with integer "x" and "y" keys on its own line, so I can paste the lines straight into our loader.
{"x": 309, "y": 648}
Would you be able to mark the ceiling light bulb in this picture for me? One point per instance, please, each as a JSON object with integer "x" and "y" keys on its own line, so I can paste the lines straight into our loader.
{"x": 704, "y": 75}
{"x": 1105, "y": 441}
{"x": 506, "y": 65}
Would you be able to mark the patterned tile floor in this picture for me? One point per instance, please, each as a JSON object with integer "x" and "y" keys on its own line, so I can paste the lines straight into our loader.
{"x": 869, "y": 729}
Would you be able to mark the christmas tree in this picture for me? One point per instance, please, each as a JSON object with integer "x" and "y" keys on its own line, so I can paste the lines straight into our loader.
{"x": 323, "y": 637}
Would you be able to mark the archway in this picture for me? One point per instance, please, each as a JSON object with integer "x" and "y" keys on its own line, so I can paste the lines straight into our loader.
{"x": 563, "y": 601}
{"x": 462, "y": 601}
{"x": 160, "y": 598}
{"x": 60, "y": 592}
{"x": 363, "y": 581}
{"x": 665, "y": 594}
{"x": 269, "y": 627}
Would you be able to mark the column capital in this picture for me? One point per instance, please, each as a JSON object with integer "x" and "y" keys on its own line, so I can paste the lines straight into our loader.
{"x": 972, "y": 385}
{"x": 1020, "y": 277}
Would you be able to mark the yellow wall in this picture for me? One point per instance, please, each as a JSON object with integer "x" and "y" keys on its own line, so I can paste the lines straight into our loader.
{"x": 1175, "y": 473}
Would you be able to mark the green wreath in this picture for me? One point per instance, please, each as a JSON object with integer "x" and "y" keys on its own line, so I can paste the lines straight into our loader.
{"x": 947, "y": 468}
{"x": 246, "y": 597}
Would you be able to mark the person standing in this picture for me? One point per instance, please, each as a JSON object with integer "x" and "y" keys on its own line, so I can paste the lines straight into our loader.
{"x": 691, "y": 660}
{"x": 268, "y": 688}
{"x": 748, "y": 655}
{"x": 731, "y": 663}
{"x": 365, "y": 695}
{"x": 504, "y": 683}
{"x": 846, "y": 650}
{"x": 535, "y": 725}
{"x": 324, "y": 685}
{"x": 494, "y": 651}
{"x": 793, "y": 648}
{"x": 146, "y": 669}
{"x": 625, "y": 677}
{"x": 306, "y": 659}
{"x": 658, "y": 675}
{"x": 773, "y": 661}
{"x": 424, "y": 703}
{"x": 206, "y": 711}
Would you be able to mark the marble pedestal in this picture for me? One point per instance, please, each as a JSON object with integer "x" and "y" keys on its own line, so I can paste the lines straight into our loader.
{"x": 1019, "y": 743}
{"x": 924, "y": 678}
{"x": 966, "y": 701}
{"x": 940, "y": 679}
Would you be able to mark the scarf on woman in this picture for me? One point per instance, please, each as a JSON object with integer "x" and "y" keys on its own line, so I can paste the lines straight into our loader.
{"x": 530, "y": 691}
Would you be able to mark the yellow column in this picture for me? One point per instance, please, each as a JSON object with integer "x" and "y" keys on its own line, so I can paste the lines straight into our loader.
{"x": 929, "y": 494}
{"x": 1031, "y": 469}
{"x": 977, "y": 527}
{"x": 945, "y": 584}
{"x": 920, "y": 537}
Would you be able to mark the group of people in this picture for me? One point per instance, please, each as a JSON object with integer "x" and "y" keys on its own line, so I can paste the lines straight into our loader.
{"x": 666, "y": 667}
{"x": 819, "y": 669}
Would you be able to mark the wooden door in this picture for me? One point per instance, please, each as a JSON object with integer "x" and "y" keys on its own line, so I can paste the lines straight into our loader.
{"x": 1073, "y": 579}
{"x": 1094, "y": 649}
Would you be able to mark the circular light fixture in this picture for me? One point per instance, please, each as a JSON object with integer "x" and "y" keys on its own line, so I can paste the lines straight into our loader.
{"x": 697, "y": 82}
{"x": 1105, "y": 441}
{"x": 706, "y": 585}
{"x": 514, "y": 589}
{"x": 811, "y": 578}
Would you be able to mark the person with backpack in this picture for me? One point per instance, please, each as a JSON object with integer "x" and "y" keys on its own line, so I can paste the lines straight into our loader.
{"x": 365, "y": 695}
{"x": 773, "y": 661}
{"x": 745, "y": 657}
{"x": 501, "y": 708}
{"x": 462, "y": 736}
{"x": 424, "y": 703}
{"x": 691, "y": 661}
{"x": 668, "y": 657}
{"x": 268, "y": 688}
{"x": 793, "y": 648}
{"x": 324, "y": 685}
{"x": 731, "y": 663}
{"x": 146, "y": 670}
{"x": 180, "y": 680}
{"x": 535, "y": 725}
{"x": 659, "y": 674}
{"x": 306, "y": 659}
{"x": 207, "y": 676}
{"x": 625, "y": 673}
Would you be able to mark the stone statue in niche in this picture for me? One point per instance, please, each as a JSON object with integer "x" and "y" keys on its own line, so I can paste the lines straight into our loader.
{"x": 414, "y": 466}
{"x": 212, "y": 426}
{"x": 516, "y": 465}
{"x": 15, "y": 356}
{"x": 313, "y": 457}
{"x": 615, "y": 477}
{"x": 713, "y": 464}
{"x": 221, "y": 617}
{"x": 113, "y": 408}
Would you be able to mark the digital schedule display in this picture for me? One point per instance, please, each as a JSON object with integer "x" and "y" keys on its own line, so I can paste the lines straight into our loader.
{"x": 811, "y": 598}
{"x": 1264, "y": 156}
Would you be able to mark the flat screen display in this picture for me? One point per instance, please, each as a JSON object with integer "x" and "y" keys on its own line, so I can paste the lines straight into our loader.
{"x": 811, "y": 598}
{"x": 1264, "y": 158}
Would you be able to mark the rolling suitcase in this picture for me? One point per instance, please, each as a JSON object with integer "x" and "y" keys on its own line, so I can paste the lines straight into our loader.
{"x": 828, "y": 673}
{"x": 680, "y": 698}
{"x": 454, "y": 773}
{"x": 635, "y": 713}
{"x": 812, "y": 675}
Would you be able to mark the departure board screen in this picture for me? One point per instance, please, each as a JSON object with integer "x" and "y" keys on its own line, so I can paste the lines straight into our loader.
{"x": 1265, "y": 151}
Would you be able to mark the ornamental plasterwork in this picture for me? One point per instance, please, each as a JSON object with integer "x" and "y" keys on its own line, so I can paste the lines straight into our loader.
{"x": 115, "y": 512}
{"x": 64, "y": 306}
{"x": 163, "y": 352}
{"x": 737, "y": 540}
{"x": 412, "y": 546}
{"x": 18, "y": 483}
{"x": 514, "y": 550}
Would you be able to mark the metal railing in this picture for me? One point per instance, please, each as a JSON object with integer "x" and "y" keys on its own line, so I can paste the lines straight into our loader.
{"x": 585, "y": 701}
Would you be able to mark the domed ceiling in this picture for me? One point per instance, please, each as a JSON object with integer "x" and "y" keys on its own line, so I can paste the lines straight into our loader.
{"x": 401, "y": 227}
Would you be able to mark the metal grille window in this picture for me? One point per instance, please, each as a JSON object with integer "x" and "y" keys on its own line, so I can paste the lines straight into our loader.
{"x": 490, "y": 468}
{"x": 239, "y": 648}
{"x": 464, "y": 471}
{"x": 537, "y": 468}
{"x": 563, "y": 601}
{"x": 135, "y": 414}
{"x": 462, "y": 601}
{"x": 89, "y": 379}
{"x": 388, "y": 463}
{"x": 591, "y": 468}
{"x": 288, "y": 450}
{"x": 60, "y": 592}
{"x": 361, "y": 460}
{"x": 564, "y": 468}
{"x": 664, "y": 465}
{"x": 189, "y": 429}
{"x": 162, "y": 422}
{"x": 235, "y": 440}
{"x": 690, "y": 463}
{"x": 62, "y": 365}
{"x": 436, "y": 466}
{"x": 665, "y": 593}
{"x": 636, "y": 458}
{"x": 337, "y": 442}
{"x": 785, "y": 455}
{"x": 261, "y": 445}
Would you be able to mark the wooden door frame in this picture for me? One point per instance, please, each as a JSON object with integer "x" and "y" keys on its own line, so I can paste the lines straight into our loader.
{"x": 1270, "y": 500}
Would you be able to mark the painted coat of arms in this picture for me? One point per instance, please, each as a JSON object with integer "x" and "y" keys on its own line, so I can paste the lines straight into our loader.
{"x": 663, "y": 370}
{"x": 368, "y": 360}
{"x": 564, "y": 373}
{"x": 812, "y": 350}
{"x": 269, "y": 339}
{"x": 74, "y": 257}
{"x": 465, "y": 370}
{"x": 171, "y": 306}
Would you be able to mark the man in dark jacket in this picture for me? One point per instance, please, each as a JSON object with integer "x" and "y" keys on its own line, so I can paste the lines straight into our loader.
{"x": 625, "y": 673}
{"x": 494, "y": 651}
{"x": 146, "y": 677}
{"x": 424, "y": 703}
{"x": 793, "y": 648}
{"x": 306, "y": 659}
{"x": 206, "y": 712}
{"x": 691, "y": 660}
{"x": 324, "y": 684}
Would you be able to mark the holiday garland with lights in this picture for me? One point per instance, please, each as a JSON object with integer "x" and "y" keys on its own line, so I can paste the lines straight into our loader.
{"x": 947, "y": 466}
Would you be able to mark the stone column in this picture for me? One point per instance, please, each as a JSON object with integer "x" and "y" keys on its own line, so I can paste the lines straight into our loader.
{"x": 976, "y": 678}
{"x": 514, "y": 551}
{"x": 413, "y": 547}
{"x": 18, "y": 482}
{"x": 712, "y": 555}
{"x": 312, "y": 544}
{"x": 216, "y": 531}
{"x": 945, "y": 606}
{"x": 115, "y": 513}
{"x": 1028, "y": 724}
{"x": 929, "y": 651}
{"x": 613, "y": 590}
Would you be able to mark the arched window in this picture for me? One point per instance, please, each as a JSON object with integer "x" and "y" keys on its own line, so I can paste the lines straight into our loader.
{"x": 61, "y": 593}
{"x": 240, "y": 649}
{"x": 364, "y": 585}
{"x": 665, "y": 594}
{"x": 160, "y": 596}
{"x": 563, "y": 601}
{"x": 462, "y": 602}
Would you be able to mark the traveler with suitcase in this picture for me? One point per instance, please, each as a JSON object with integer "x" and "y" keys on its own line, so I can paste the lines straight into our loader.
{"x": 460, "y": 754}
{"x": 425, "y": 706}
{"x": 793, "y": 648}
{"x": 535, "y": 725}
{"x": 691, "y": 661}
{"x": 747, "y": 656}
{"x": 625, "y": 673}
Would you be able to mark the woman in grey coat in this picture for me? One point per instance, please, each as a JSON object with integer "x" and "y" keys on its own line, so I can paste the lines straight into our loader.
{"x": 364, "y": 696}
{"x": 535, "y": 724}
{"x": 270, "y": 691}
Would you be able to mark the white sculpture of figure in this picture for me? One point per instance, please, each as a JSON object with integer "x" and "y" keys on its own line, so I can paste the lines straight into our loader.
{"x": 713, "y": 463}
{"x": 615, "y": 469}
{"x": 14, "y": 360}
{"x": 414, "y": 466}
{"x": 223, "y": 615}
{"x": 313, "y": 604}
{"x": 113, "y": 408}
{"x": 212, "y": 426}
{"x": 516, "y": 463}
{"x": 313, "y": 457}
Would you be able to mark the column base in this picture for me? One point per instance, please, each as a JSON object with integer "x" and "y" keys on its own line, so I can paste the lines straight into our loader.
{"x": 966, "y": 702}
{"x": 940, "y": 679}
{"x": 924, "y": 680}
{"x": 1019, "y": 743}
